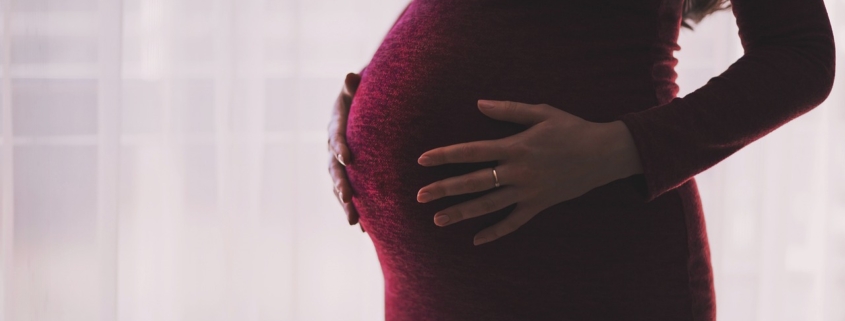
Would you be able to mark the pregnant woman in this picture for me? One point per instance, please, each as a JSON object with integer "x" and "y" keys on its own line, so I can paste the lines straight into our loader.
{"x": 556, "y": 181}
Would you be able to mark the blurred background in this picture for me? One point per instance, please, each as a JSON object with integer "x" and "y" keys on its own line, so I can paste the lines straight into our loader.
{"x": 166, "y": 160}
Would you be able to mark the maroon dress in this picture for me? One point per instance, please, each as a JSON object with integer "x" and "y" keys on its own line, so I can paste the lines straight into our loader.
{"x": 633, "y": 249}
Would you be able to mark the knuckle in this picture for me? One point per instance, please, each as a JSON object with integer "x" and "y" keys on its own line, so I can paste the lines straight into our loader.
{"x": 437, "y": 190}
{"x": 516, "y": 174}
{"x": 456, "y": 214}
{"x": 508, "y": 226}
{"x": 520, "y": 148}
{"x": 465, "y": 151}
{"x": 503, "y": 150}
{"x": 498, "y": 231}
{"x": 339, "y": 138}
{"x": 467, "y": 183}
{"x": 488, "y": 204}
{"x": 522, "y": 173}
{"x": 532, "y": 193}
{"x": 510, "y": 106}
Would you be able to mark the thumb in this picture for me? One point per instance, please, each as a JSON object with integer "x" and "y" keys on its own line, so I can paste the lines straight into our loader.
{"x": 351, "y": 84}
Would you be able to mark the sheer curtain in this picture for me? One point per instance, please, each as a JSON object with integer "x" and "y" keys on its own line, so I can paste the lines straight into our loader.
{"x": 166, "y": 160}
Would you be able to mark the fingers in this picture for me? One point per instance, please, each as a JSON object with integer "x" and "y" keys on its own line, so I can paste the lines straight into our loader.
{"x": 350, "y": 84}
{"x": 351, "y": 213}
{"x": 343, "y": 191}
{"x": 520, "y": 215}
{"x": 525, "y": 114}
{"x": 339, "y": 149}
{"x": 477, "y": 181}
{"x": 337, "y": 132}
{"x": 340, "y": 154}
{"x": 471, "y": 152}
{"x": 498, "y": 199}
{"x": 337, "y": 125}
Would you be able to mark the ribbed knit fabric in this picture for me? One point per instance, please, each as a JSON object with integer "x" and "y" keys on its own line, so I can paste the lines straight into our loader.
{"x": 633, "y": 249}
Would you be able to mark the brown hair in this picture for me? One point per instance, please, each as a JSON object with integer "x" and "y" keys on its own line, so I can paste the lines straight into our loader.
{"x": 696, "y": 10}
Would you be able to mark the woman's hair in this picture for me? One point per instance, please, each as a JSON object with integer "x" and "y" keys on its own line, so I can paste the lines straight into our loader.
{"x": 696, "y": 10}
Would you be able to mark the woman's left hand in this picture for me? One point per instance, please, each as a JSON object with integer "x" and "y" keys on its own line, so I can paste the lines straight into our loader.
{"x": 560, "y": 157}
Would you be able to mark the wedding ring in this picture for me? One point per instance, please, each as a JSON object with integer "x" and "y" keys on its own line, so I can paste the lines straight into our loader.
{"x": 495, "y": 176}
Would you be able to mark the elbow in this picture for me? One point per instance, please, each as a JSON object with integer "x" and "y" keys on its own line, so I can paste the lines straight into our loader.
{"x": 803, "y": 69}
{"x": 819, "y": 71}
{"x": 825, "y": 54}
{"x": 829, "y": 77}
{"x": 825, "y": 77}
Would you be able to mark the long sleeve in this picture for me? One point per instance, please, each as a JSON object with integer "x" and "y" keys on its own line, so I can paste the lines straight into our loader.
{"x": 786, "y": 70}
{"x": 391, "y": 28}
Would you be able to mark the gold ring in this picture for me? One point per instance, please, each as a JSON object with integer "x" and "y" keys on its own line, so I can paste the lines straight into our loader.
{"x": 495, "y": 176}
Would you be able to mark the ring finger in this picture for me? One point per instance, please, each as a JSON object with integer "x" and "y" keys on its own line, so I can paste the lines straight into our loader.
{"x": 477, "y": 181}
{"x": 491, "y": 202}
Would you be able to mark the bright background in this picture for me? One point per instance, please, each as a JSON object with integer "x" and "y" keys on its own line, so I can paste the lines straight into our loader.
{"x": 166, "y": 160}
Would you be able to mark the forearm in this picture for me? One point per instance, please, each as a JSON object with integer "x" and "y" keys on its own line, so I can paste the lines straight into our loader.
{"x": 787, "y": 70}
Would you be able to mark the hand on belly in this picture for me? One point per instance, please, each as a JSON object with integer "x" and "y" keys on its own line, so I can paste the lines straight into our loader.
{"x": 558, "y": 158}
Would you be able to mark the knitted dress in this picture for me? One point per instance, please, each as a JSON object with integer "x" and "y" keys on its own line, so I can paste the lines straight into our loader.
{"x": 633, "y": 249}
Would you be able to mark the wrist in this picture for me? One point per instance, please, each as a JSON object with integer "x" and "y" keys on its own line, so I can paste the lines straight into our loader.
{"x": 621, "y": 152}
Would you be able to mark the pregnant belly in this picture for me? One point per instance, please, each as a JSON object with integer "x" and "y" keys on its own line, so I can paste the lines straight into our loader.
{"x": 420, "y": 91}
{"x": 391, "y": 123}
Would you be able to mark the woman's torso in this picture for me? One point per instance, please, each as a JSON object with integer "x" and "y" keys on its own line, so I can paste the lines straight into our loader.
{"x": 604, "y": 254}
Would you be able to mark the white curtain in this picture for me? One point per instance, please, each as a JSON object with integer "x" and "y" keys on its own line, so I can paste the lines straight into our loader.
{"x": 166, "y": 160}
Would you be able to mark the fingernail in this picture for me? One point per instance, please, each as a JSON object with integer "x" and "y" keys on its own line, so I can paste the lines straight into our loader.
{"x": 340, "y": 196}
{"x": 340, "y": 159}
{"x": 424, "y": 197}
{"x": 480, "y": 240}
{"x": 424, "y": 160}
{"x": 441, "y": 219}
{"x": 486, "y": 104}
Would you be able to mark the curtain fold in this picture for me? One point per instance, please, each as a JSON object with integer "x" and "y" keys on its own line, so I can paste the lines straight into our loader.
{"x": 165, "y": 160}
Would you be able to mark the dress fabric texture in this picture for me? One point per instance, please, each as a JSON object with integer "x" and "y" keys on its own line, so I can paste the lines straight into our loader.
{"x": 633, "y": 249}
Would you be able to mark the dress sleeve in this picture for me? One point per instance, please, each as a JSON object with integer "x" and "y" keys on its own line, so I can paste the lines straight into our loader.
{"x": 786, "y": 70}
{"x": 391, "y": 28}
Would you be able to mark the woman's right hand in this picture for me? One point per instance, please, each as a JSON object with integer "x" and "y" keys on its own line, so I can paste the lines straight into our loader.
{"x": 339, "y": 154}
